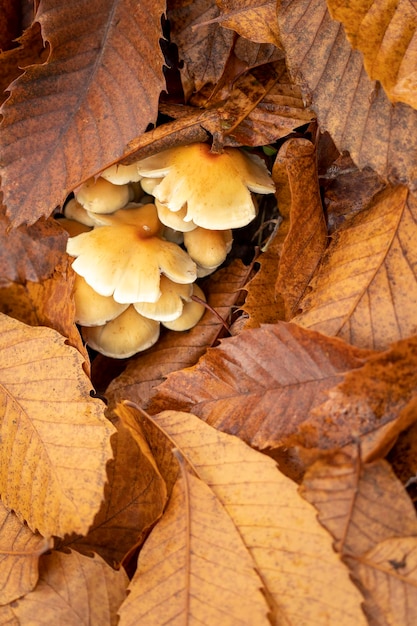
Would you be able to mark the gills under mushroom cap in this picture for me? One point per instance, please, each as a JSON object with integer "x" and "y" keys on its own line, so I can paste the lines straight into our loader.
{"x": 214, "y": 188}
{"x": 117, "y": 261}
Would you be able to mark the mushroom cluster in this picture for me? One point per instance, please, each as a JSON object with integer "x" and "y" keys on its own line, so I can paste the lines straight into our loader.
{"x": 142, "y": 234}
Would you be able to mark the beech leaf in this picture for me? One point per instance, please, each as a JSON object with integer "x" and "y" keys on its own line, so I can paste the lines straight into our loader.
{"x": 291, "y": 551}
{"x": 365, "y": 290}
{"x": 20, "y": 550}
{"x": 386, "y": 36}
{"x": 262, "y": 384}
{"x": 73, "y": 589}
{"x": 98, "y": 90}
{"x": 194, "y": 566}
{"x": 55, "y": 438}
{"x": 254, "y": 20}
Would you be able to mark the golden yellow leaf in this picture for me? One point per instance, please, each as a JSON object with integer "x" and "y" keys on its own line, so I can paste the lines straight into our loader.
{"x": 20, "y": 550}
{"x": 385, "y": 33}
{"x": 365, "y": 290}
{"x": 73, "y": 589}
{"x": 304, "y": 579}
{"x": 194, "y": 567}
{"x": 55, "y": 438}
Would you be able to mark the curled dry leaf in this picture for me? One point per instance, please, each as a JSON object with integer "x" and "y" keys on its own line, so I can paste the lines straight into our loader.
{"x": 365, "y": 290}
{"x": 262, "y": 384}
{"x": 54, "y": 435}
{"x": 351, "y": 107}
{"x": 20, "y": 550}
{"x": 255, "y": 20}
{"x": 134, "y": 498}
{"x": 291, "y": 552}
{"x": 70, "y": 586}
{"x": 386, "y": 36}
{"x": 194, "y": 566}
{"x": 91, "y": 96}
{"x": 307, "y": 236}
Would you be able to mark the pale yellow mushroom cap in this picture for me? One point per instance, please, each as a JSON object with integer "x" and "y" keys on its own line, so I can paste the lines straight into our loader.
{"x": 92, "y": 309}
{"x": 121, "y": 174}
{"x": 117, "y": 261}
{"x": 73, "y": 210}
{"x": 149, "y": 184}
{"x": 169, "y": 305}
{"x": 214, "y": 188}
{"x": 143, "y": 216}
{"x": 208, "y": 248}
{"x": 124, "y": 336}
{"x": 191, "y": 314}
{"x": 101, "y": 196}
{"x": 174, "y": 219}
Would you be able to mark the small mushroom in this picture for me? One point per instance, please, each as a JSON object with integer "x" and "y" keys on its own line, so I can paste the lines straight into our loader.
{"x": 215, "y": 189}
{"x": 119, "y": 261}
{"x": 149, "y": 184}
{"x": 101, "y": 196}
{"x": 92, "y": 309}
{"x": 208, "y": 248}
{"x": 124, "y": 336}
{"x": 72, "y": 227}
{"x": 144, "y": 217}
{"x": 73, "y": 210}
{"x": 191, "y": 314}
{"x": 121, "y": 174}
{"x": 169, "y": 305}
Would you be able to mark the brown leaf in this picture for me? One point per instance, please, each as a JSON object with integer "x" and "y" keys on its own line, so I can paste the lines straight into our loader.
{"x": 255, "y": 20}
{"x": 387, "y": 577}
{"x": 359, "y": 504}
{"x": 30, "y": 253}
{"x": 365, "y": 290}
{"x": 134, "y": 498}
{"x": 279, "y": 529}
{"x": 351, "y": 107}
{"x": 98, "y": 90}
{"x": 175, "y": 351}
{"x": 55, "y": 437}
{"x": 196, "y": 564}
{"x": 20, "y": 550}
{"x": 374, "y": 403}
{"x": 386, "y": 36}
{"x": 307, "y": 235}
{"x": 73, "y": 589}
{"x": 262, "y": 384}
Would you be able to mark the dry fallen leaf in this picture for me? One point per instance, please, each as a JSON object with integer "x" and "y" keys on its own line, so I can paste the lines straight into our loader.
{"x": 365, "y": 290}
{"x": 254, "y": 20}
{"x": 386, "y": 36}
{"x": 20, "y": 550}
{"x": 98, "y": 90}
{"x": 304, "y": 580}
{"x": 262, "y": 384}
{"x": 55, "y": 438}
{"x": 194, "y": 567}
{"x": 73, "y": 589}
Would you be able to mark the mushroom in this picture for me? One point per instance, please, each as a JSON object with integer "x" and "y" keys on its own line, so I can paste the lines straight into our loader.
{"x": 72, "y": 227}
{"x": 73, "y": 210}
{"x": 143, "y": 216}
{"x": 121, "y": 174}
{"x": 124, "y": 336}
{"x": 214, "y": 188}
{"x": 92, "y": 309}
{"x": 191, "y": 314}
{"x": 101, "y": 196}
{"x": 149, "y": 184}
{"x": 119, "y": 261}
{"x": 208, "y": 248}
{"x": 169, "y": 305}
{"x": 174, "y": 219}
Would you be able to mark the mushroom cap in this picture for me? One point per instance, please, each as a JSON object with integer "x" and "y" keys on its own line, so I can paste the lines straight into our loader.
{"x": 117, "y": 261}
{"x": 73, "y": 227}
{"x": 124, "y": 336}
{"x": 174, "y": 219}
{"x": 101, "y": 196}
{"x": 73, "y": 210}
{"x": 208, "y": 248}
{"x": 92, "y": 309}
{"x": 214, "y": 188}
{"x": 149, "y": 184}
{"x": 121, "y": 174}
{"x": 191, "y": 314}
{"x": 169, "y": 305}
{"x": 143, "y": 216}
